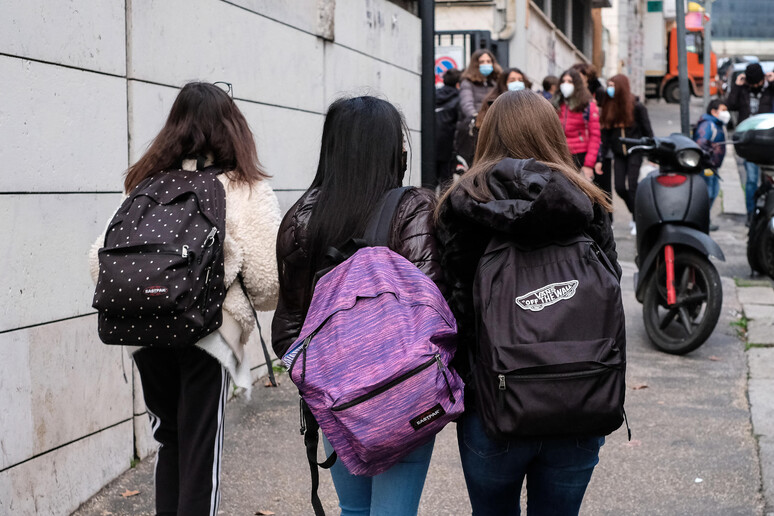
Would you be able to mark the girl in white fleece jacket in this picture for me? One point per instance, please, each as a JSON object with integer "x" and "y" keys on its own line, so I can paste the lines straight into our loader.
{"x": 185, "y": 389}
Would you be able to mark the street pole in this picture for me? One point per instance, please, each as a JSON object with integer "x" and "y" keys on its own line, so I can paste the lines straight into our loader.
{"x": 707, "y": 51}
{"x": 682, "y": 70}
{"x": 427, "y": 85}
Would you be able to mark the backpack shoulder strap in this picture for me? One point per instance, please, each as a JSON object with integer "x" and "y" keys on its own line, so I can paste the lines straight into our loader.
{"x": 377, "y": 230}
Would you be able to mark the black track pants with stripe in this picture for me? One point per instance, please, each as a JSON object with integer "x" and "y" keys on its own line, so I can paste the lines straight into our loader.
{"x": 185, "y": 391}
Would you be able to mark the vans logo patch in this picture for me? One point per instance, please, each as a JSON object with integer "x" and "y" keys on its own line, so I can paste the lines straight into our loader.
{"x": 538, "y": 299}
{"x": 155, "y": 291}
{"x": 427, "y": 417}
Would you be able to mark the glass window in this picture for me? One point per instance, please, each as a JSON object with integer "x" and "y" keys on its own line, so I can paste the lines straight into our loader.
{"x": 559, "y": 14}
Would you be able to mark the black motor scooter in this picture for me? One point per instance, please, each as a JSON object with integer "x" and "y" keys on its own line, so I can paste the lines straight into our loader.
{"x": 678, "y": 286}
{"x": 754, "y": 141}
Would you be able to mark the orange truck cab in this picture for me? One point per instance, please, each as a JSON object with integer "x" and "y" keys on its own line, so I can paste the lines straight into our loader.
{"x": 661, "y": 67}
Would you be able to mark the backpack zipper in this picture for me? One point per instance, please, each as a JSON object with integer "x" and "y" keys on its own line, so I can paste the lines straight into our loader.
{"x": 389, "y": 385}
{"x": 552, "y": 376}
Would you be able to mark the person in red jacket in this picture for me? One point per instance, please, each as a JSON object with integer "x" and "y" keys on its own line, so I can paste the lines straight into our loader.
{"x": 580, "y": 120}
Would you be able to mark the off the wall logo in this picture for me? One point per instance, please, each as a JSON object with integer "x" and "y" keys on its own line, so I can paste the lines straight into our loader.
{"x": 538, "y": 299}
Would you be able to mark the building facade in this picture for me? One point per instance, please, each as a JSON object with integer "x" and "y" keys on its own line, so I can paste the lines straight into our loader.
{"x": 85, "y": 87}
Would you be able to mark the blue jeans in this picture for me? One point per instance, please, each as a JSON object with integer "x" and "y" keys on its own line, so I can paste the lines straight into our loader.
{"x": 557, "y": 471}
{"x": 713, "y": 187}
{"x": 396, "y": 492}
{"x": 753, "y": 174}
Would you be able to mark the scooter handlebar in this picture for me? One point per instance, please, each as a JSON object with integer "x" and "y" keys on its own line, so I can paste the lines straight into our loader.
{"x": 637, "y": 141}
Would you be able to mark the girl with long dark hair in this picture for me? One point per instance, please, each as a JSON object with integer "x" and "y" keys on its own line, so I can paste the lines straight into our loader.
{"x": 580, "y": 120}
{"x": 523, "y": 186}
{"x": 623, "y": 116}
{"x": 185, "y": 388}
{"x": 362, "y": 156}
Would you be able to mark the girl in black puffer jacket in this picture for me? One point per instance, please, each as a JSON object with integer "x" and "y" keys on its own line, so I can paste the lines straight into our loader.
{"x": 523, "y": 184}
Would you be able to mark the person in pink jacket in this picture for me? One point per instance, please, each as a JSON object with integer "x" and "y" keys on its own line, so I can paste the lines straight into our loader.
{"x": 580, "y": 119}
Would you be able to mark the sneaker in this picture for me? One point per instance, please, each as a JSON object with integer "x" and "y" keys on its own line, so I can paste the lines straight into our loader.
{"x": 632, "y": 228}
{"x": 714, "y": 227}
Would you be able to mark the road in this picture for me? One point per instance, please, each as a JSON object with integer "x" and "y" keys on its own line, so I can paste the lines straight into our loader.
{"x": 692, "y": 451}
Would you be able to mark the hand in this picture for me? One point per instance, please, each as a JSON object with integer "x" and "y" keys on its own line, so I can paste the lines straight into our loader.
{"x": 740, "y": 79}
{"x": 588, "y": 172}
{"x": 598, "y": 168}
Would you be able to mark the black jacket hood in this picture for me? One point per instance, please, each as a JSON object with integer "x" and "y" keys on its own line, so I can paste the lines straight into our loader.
{"x": 445, "y": 94}
{"x": 529, "y": 201}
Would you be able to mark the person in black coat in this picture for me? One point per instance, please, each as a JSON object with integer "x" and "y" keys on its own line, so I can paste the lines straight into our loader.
{"x": 447, "y": 101}
{"x": 751, "y": 94}
{"x": 523, "y": 184}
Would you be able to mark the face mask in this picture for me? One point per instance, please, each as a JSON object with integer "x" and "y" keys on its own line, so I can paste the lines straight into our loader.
{"x": 485, "y": 69}
{"x": 515, "y": 86}
{"x": 724, "y": 117}
{"x": 567, "y": 89}
{"x": 611, "y": 91}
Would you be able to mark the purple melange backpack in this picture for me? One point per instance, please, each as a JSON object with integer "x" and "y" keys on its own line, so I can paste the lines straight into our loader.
{"x": 372, "y": 359}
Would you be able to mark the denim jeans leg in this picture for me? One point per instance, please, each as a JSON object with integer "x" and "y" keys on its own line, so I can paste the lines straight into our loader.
{"x": 753, "y": 173}
{"x": 397, "y": 491}
{"x": 713, "y": 188}
{"x": 558, "y": 477}
{"x": 354, "y": 491}
{"x": 494, "y": 470}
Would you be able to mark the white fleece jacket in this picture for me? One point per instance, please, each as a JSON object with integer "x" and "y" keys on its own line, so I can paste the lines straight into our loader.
{"x": 252, "y": 221}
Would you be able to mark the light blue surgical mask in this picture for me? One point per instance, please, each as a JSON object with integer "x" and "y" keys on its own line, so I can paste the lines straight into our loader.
{"x": 515, "y": 86}
{"x": 611, "y": 91}
{"x": 485, "y": 69}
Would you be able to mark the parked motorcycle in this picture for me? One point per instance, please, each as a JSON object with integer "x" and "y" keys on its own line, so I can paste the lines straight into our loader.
{"x": 754, "y": 141}
{"x": 677, "y": 284}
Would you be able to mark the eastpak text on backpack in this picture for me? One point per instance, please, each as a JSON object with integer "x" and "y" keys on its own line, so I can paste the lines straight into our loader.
{"x": 551, "y": 340}
{"x": 161, "y": 267}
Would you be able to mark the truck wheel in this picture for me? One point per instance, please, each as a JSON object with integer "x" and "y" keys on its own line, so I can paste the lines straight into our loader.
{"x": 672, "y": 92}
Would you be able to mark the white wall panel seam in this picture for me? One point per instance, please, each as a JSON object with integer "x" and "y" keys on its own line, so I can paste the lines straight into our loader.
{"x": 71, "y": 67}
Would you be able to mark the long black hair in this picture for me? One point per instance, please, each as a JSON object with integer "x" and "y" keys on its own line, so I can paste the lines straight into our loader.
{"x": 361, "y": 157}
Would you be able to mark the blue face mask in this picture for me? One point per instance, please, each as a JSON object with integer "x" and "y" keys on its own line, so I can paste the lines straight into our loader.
{"x": 515, "y": 86}
{"x": 485, "y": 69}
{"x": 611, "y": 91}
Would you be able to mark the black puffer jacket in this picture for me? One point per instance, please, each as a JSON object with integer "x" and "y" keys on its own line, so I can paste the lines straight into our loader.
{"x": 531, "y": 203}
{"x": 412, "y": 236}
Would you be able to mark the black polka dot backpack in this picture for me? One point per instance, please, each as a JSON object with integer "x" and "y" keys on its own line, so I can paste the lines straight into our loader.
{"x": 161, "y": 267}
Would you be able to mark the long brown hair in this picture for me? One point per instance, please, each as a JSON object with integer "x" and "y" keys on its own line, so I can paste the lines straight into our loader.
{"x": 619, "y": 110}
{"x": 472, "y": 74}
{"x": 579, "y": 99}
{"x": 522, "y": 125}
{"x": 203, "y": 120}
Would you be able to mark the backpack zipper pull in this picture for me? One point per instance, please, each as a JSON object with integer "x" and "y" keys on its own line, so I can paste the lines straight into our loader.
{"x": 210, "y": 237}
{"x": 445, "y": 379}
{"x": 502, "y": 381}
{"x": 184, "y": 252}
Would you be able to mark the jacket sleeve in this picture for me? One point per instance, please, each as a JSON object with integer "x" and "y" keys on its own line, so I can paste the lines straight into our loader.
{"x": 595, "y": 136}
{"x": 413, "y": 234}
{"x": 733, "y": 100}
{"x": 604, "y": 143}
{"x": 601, "y": 231}
{"x": 256, "y": 236}
{"x": 467, "y": 103}
{"x": 289, "y": 315}
{"x": 644, "y": 120}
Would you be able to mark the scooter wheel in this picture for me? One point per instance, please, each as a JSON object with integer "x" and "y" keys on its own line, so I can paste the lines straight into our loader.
{"x": 684, "y": 326}
{"x": 767, "y": 252}
{"x": 755, "y": 245}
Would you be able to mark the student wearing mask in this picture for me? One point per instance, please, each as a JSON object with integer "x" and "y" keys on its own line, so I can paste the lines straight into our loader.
{"x": 580, "y": 120}
{"x": 752, "y": 94}
{"x": 710, "y": 136}
{"x": 478, "y": 79}
{"x": 511, "y": 79}
{"x": 623, "y": 117}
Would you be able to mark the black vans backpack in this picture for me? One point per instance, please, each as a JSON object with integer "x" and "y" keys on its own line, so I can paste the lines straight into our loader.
{"x": 161, "y": 266}
{"x": 551, "y": 340}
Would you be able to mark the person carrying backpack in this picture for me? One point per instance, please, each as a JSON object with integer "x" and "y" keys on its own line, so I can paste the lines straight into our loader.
{"x": 361, "y": 159}
{"x": 543, "y": 362}
{"x": 710, "y": 136}
{"x": 580, "y": 120}
{"x": 196, "y": 233}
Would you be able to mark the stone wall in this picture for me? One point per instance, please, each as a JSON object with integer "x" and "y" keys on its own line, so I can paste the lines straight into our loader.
{"x": 84, "y": 87}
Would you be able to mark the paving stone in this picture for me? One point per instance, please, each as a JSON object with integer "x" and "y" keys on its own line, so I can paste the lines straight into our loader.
{"x": 756, "y": 295}
{"x": 761, "y": 363}
{"x": 759, "y": 312}
{"x": 760, "y": 332}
